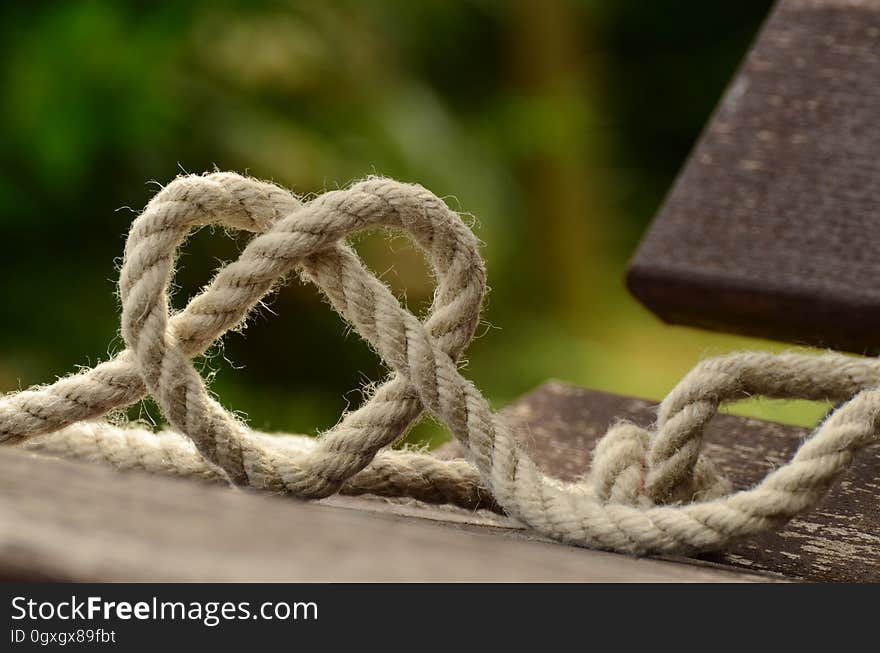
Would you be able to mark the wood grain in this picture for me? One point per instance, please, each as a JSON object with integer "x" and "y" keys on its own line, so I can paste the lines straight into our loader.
{"x": 62, "y": 520}
{"x": 771, "y": 227}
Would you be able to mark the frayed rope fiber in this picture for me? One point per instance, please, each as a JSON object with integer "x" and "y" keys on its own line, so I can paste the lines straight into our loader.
{"x": 648, "y": 491}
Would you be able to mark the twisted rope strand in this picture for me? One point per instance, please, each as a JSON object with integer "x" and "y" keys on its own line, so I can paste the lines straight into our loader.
{"x": 393, "y": 473}
{"x": 647, "y": 490}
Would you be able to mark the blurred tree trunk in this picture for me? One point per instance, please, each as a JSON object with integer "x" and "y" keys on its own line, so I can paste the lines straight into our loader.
{"x": 553, "y": 69}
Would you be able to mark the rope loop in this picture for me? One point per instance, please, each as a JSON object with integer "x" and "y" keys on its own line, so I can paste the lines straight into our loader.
{"x": 648, "y": 490}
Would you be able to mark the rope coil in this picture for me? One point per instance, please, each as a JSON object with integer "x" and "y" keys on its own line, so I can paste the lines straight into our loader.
{"x": 648, "y": 491}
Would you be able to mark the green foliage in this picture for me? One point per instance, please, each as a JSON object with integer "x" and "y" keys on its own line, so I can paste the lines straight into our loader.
{"x": 558, "y": 126}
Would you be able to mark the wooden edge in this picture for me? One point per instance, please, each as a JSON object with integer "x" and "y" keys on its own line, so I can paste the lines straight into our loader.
{"x": 781, "y": 312}
{"x": 62, "y": 520}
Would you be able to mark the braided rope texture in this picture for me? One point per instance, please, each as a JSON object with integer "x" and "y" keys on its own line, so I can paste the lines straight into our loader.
{"x": 648, "y": 491}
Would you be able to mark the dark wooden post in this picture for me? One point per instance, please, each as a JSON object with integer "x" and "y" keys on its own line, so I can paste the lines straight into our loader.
{"x": 773, "y": 227}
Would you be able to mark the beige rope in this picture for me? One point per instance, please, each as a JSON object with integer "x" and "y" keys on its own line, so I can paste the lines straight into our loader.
{"x": 648, "y": 491}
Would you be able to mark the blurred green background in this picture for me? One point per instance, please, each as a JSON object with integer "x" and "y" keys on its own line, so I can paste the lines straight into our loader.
{"x": 558, "y": 125}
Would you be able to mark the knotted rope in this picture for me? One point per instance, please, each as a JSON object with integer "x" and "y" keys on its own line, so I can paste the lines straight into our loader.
{"x": 647, "y": 491}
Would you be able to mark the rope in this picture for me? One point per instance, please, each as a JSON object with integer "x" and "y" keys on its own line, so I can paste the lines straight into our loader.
{"x": 648, "y": 491}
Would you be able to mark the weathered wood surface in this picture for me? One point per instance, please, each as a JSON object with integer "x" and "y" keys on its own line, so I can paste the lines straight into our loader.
{"x": 771, "y": 228}
{"x": 62, "y": 520}
{"x": 72, "y": 521}
{"x": 838, "y": 541}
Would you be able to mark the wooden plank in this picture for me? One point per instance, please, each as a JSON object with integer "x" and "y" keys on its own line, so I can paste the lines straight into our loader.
{"x": 771, "y": 228}
{"x": 73, "y": 521}
{"x": 63, "y": 520}
{"x": 837, "y": 541}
